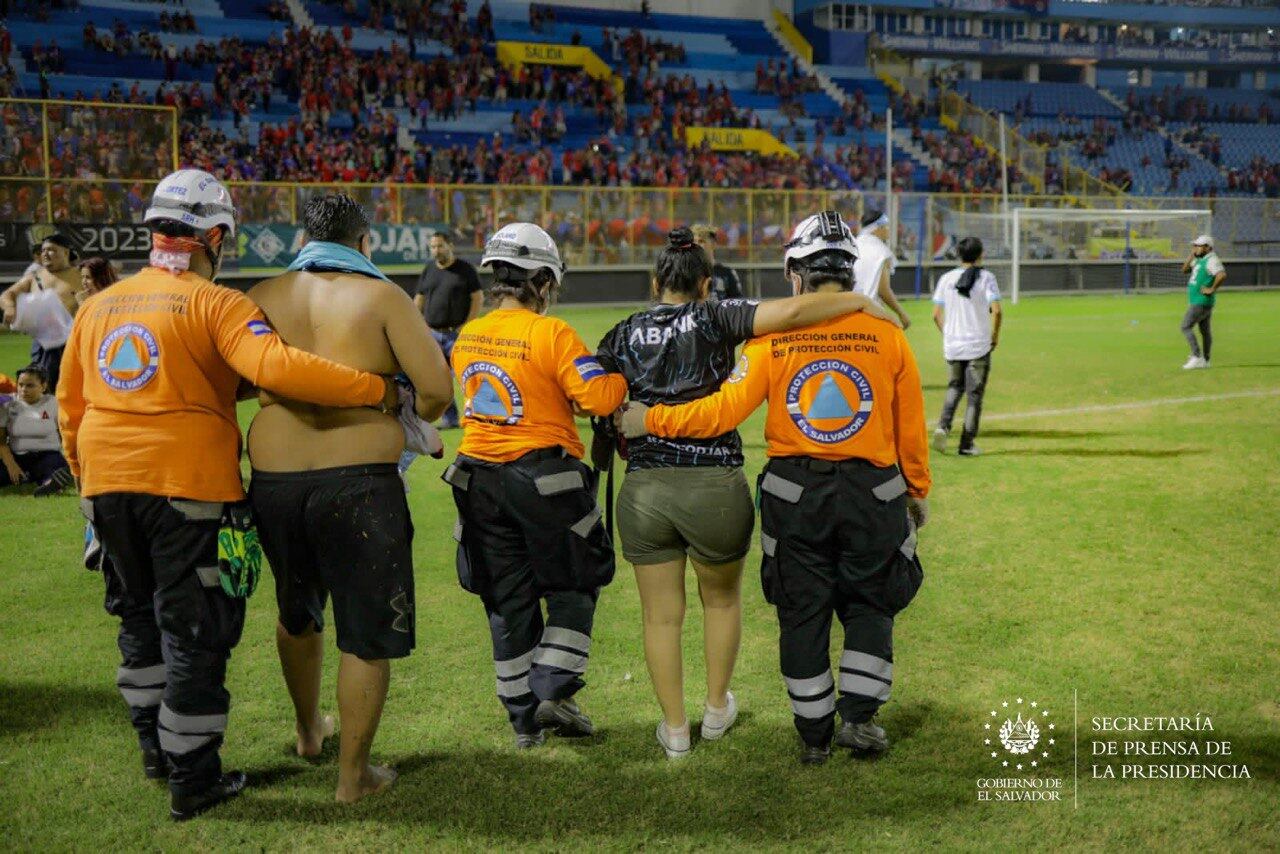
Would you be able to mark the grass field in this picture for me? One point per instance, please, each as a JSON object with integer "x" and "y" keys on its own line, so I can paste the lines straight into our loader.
{"x": 1125, "y": 555}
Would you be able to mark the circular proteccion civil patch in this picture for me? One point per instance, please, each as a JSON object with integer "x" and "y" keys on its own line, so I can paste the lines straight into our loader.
{"x": 829, "y": 401}
{"x": 128, "y": 357}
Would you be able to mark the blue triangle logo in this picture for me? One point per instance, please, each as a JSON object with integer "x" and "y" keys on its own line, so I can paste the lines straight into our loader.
{"x": 829, "y": 402}
{"x": 487, "y": 402}
{"x": 126, "y": 358}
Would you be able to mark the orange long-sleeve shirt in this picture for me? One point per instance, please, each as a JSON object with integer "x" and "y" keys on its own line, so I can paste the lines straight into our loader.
{"x": 848, "y": 388}
{"x": 147, "y": 396}
{"x": 520, "y": 371}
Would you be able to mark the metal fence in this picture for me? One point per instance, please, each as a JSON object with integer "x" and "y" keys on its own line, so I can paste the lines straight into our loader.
{"x": 57, "y": 152}
{"x": 61, "y": 149}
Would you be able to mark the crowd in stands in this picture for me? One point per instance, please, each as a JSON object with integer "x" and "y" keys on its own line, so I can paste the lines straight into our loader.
{"x": 635, "y": 50}
{"x": 539, "y": 15}
{"x": 1261, "y": 177}
{"x": 277, "y": 11}
{"x": 1175, "y": 104}
{"x": 36, "y": 10}
{"x": 177, "y": 22}
{"x": 321, "y": 72}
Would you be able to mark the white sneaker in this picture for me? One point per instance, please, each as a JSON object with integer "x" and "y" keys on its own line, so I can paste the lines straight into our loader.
{"x": 1193, "y": 362}
{"x": 674, "y": 742}
{"x": 1204, "y": 363}
{"x": 971, "y": 451}
{"x": 716, "y": 722}
{"x": 939, "y": 442}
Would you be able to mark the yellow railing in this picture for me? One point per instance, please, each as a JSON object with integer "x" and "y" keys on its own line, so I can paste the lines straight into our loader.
{"x": 141, "y": 144}
{"x": 958, "y": 114}
{"x": 793, "y": 36}
{"x": 594, "y": 225}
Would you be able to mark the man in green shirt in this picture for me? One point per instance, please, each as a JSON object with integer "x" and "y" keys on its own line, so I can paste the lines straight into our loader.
{"x": 1207, "y": 275}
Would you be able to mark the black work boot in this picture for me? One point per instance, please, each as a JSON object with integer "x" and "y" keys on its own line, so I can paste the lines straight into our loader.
{"x": 564, "y": 718}
{"x": 184, "y": 807}
{"x": 812, "y": 755}
{"x": 155, "y": 764}
{"x": 867, "y": 736}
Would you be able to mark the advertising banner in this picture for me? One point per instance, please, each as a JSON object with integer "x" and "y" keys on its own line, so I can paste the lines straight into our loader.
{"x": 275, "y": 244}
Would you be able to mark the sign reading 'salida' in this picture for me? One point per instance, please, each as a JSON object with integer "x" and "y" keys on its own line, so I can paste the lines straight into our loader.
{"x": 515, "y": 54}
{"x": 737, "y": 139}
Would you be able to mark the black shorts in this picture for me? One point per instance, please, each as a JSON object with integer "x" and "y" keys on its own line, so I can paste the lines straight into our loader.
{"x": 342, "y": 532}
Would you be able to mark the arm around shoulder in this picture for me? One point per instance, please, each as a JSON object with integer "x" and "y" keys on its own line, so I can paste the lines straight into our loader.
{"x": 248, "y": 344}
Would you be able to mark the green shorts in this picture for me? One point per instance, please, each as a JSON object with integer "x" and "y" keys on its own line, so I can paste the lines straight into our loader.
{"x": 703, "y": 512}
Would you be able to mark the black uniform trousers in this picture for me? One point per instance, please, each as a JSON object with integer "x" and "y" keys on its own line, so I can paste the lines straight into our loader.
{"x": 837, "y": 541}
{"x": 528, "y": 531}
{"x": 177, "y": 626}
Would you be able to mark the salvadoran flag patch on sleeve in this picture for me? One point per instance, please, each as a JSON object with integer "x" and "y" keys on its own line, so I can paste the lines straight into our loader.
{"x": 588, "y": 367}
{"x": 258, "y": 327}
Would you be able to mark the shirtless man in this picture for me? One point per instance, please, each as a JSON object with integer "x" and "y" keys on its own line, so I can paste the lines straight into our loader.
{"x": 329, "y": 502}
{"x": 54, "y": 272}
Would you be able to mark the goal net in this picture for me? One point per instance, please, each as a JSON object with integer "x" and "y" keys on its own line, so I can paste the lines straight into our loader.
{"x": 1074, "y": 249}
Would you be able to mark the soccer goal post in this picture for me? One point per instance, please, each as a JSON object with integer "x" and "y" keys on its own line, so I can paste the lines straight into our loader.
{"x": 1057, "y": 249}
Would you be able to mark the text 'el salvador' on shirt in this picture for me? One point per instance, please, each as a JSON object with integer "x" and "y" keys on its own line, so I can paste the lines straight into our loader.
{"x": 845, "y": 389}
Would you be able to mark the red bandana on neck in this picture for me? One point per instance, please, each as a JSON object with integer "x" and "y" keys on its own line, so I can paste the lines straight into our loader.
{"x": 174, "y": 253}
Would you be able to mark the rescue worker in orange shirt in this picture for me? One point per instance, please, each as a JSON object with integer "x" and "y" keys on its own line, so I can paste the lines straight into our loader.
{"x": 147, "y": 410}
{"x": 529, "y": 528}
{"x": 845, "y": 488}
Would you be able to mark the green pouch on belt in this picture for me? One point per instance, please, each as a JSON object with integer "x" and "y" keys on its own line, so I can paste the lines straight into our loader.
{"x": 239, "y": 553}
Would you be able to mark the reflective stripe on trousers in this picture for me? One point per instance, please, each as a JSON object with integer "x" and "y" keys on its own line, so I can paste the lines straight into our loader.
{"x": 563, "y": 648}
{"x": 181, "y": 734}
{"x": 141, "y": 687}
{"x": 813, "y": 697}
{"x": 865, "y": 675}
{"x": 513, "y": 675}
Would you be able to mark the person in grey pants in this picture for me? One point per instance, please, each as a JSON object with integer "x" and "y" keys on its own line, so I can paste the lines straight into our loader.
{"x": 1206, "y": 275}
{"x": 966, "y": 309}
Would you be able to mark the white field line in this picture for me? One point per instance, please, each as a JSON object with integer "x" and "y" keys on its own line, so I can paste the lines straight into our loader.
{"x": 1137, "y": 404}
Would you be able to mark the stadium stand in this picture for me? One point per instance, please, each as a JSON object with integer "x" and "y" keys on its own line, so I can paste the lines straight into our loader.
{"x": 412, "y": 91}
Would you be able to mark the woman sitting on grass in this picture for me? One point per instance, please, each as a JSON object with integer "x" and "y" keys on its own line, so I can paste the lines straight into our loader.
{"x": 30, "y": 446}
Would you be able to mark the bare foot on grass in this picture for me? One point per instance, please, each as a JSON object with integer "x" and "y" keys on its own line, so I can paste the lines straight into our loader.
{"x": 375, "y": 779}
{"x": 310, "y": 744}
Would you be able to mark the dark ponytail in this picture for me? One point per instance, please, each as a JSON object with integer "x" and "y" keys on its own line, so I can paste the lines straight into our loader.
{"x": 517, "y": 283}
{"x": 683, "y": 265}
{"x": 970, "y": 250}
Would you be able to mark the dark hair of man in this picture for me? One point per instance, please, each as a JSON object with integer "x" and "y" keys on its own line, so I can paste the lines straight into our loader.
{"x": 970, "y": 250}
{"x": 59, "y": 240}
{"x": 37, "y": 372}
{"x": 525, "y": 286}
{"x": 683, "y": 265}
{"x": 335, "y": 218}
{"x": 871, "y": 216}
{"x": 443, "y": 235}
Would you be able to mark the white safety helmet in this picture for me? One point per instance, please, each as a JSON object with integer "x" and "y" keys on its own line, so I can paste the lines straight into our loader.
{"x": 193, "y": 197}
{"x": 822, "y": 244}
{"x": 524, "y": 245}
